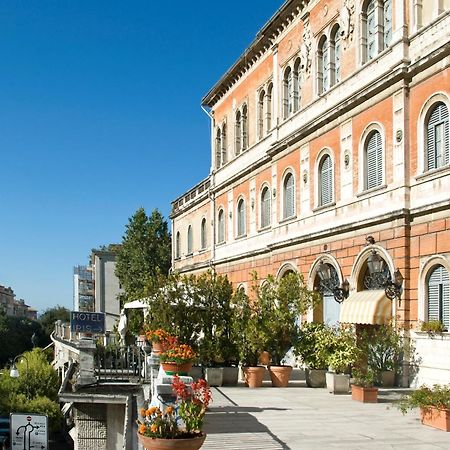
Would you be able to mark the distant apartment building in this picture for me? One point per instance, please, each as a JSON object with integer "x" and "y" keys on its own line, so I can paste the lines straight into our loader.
{"x": 15, "y": 307}
{"x": 96, "y": 286}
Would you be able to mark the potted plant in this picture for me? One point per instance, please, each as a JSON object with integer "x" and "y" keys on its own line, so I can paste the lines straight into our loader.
{"x": 249, "y": 328}
{"x": 178, "y": 359}
{"x": 161, "y": 340}
{"x": 434, "y": 404}
{"x": 179, "y": 426}
{"x": 313, "y": 348}
{"x": 433, "y": 327}
{"x": 362, "y": 387}
{"x": 282, "y": 302}
{"x": 344, "y": 352}
{"x": 383, "y": 346}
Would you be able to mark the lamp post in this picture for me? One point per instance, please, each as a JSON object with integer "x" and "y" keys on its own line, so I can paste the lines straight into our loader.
{"x": 14, "y": 372}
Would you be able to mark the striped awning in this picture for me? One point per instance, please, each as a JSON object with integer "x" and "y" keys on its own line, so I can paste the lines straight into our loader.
{"x": 369, "y": 307}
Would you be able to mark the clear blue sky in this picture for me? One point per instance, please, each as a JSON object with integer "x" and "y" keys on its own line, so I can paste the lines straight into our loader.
{"x": 99, "y": 115}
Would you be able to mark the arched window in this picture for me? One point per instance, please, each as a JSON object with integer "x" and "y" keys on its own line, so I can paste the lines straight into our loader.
{"x": 377, "y": 27}
{"x": 438, "y": 301}
{"x": 373, "y": 160}
{"x": 189, "y": 240}
{"x": 241, "y": 218}
{"x": 287, "y": 93}
{"x": 178, "y": 246}
{"x": 269, "y": 108}
{"x": 323, "y": 65}
{"x": 224, "y": 144}
{"x": 296, "y": 85}
{"x": 265, "y": 207}
{"x": 437, "y": 137}
{"x": 261, "y": 99}
{"x": 218, "y": 148}
{"x": 237, "y": 133}
{"x": 221, "y": 226}
{"x": 325, "y": 181}
{"x": 203, "y": 234}
{"x": 288, "y": 196}
{"x": 335, "y": 56}
{"x": 244, "y": 128}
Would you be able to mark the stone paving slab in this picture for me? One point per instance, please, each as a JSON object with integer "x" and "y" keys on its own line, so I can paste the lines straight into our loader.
{"x": 302, "y": 418}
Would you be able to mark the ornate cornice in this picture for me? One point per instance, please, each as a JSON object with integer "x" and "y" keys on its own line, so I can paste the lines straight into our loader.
{"x": 263, "y": 43}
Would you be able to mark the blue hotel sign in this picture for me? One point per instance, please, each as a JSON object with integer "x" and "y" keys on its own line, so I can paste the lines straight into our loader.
{"x": 87, "y": 322}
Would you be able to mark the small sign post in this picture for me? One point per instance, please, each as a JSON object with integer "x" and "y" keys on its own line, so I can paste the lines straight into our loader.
{"x": 87, "y": 322}
{"x": 29, "y": 431}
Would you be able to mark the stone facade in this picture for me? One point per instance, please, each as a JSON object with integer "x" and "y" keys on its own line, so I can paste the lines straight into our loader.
{"x": 316, "y": 88}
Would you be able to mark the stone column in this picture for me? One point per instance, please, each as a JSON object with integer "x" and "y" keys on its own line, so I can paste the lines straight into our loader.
{"x": 86, "y": 374}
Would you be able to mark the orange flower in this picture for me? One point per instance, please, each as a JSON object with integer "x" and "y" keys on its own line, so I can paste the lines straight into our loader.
{"x": 151, "y": 411}
{"x": 142, "y": 429}
{"x": 154, "y": 428}
{"x": 142, "y": 412}
{"x": 169, "y": 410}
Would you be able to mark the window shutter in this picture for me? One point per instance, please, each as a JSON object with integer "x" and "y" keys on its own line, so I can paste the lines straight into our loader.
{"x": 203, "y": 234}
{"x": 221, "y": 227}
{"x": 371, "y": 31}
{"x": 224, "y": 145}
{"x": 265, "y": 208}
{"x": 374, "y": 161}
{"x": 289, "y": 196}
{"x": 237, "y": 133}
{"x": 437, "y": 144}
{"x": 439, "y": 296}
{"x": 286, "y": 96}
{"x": 244, "y": 126}
{"x": 189, "y": 239}
{"x": 269, "y": 109}
{"x": 178, "y": 246}
{"x": 387, "y": 23}
{"x": 241, "y": 218}
{"x": 326, "y": 181}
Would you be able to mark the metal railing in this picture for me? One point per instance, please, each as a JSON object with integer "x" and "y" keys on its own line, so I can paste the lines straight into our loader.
{"x": 120, "y": 364}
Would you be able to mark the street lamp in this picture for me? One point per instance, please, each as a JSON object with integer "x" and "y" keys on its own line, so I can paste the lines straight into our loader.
{"x": 14, "y": 372}
{"x": 330, "y": 282}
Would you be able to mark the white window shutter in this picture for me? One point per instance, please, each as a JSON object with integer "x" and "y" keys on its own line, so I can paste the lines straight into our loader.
{"x": 326, "y": 181}
{"x": 374, "y": 161}
{"x": 439, "y": 296}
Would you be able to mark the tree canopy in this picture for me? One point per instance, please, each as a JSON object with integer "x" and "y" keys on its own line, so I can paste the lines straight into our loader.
{"x": 51, "y": 315}
{"x": 144, "y": 254}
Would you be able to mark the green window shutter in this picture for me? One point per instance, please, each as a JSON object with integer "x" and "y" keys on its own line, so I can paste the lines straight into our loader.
{"x": 265, "y": 208}
{"x": 439, "y": 296}
{"x": 437, "y": 142}
{"x": 326, "y": 181}
{"x": 374, "y": 161}
{"x": 289, "y": 202}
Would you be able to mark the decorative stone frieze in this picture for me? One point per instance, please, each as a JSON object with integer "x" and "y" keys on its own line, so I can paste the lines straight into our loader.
{"x": 347, "y": 22}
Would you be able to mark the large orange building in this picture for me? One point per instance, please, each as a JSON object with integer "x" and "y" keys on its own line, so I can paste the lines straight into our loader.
{"x": 330, "y": 150}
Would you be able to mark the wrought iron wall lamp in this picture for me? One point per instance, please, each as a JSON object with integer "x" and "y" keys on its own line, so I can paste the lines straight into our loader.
{"x": 329, "y": 282}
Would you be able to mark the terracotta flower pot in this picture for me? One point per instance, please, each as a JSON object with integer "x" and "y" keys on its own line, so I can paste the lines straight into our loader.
{"x": 158, "y": 348}
{"x": 365, "y": 394}
{"x": 280, "y": 375}
{"x": 172, "y": 368}
{"x": 436, "y": 418}
{"x": 254, "y": 376}
{"x": 172, "y": 444}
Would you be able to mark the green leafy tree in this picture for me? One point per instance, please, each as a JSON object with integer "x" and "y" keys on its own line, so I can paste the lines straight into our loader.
{"x": 51, "y": 315}
{"x": 145, "y": 253}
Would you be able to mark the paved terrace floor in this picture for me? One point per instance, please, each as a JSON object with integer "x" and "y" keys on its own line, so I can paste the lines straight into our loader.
{"x": 303, "y": 418}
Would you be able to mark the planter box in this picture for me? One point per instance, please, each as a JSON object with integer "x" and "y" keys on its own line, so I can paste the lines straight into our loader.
{"x": 436, "y": 418}
{"x": 315, "y": 378}
{"x": 365, "y": 394}
{"x": 338, "y": 383}
{"x": 230, "y": 376}
{"x": 214, "y": 376}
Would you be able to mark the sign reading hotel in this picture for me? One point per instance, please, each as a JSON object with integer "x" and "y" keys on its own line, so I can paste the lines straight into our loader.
{"x": 29, "y": 432}
{"x": 87, "y": 322}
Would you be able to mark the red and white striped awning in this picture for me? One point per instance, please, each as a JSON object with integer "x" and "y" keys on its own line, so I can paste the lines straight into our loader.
{"x": 366, "y": 307}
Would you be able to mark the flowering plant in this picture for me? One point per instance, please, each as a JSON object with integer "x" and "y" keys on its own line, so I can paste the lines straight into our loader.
{"x": 184, "y": 419}
{"x": 179, "y": 353}
{"x": 161, "y": 336}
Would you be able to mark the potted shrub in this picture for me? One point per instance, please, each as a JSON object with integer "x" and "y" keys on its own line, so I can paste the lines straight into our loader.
{"x": 434, "y": 404}
{"x": 433, "y": 327}
{"x": 282, "y": 303}
{"x": 178, "y": 359}
{"x": 249, "y": 328}
{"x": 313, "y": 348}
{"x": 362, "y": 387}
{"x": 179, "y": 426}
{"x": 161, "y": 340}
{"x": 383, "y": 346}
{"x": 344, "y": 353}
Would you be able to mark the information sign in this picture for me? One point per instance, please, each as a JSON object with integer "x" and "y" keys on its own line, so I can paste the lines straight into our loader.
{"x": 87, "y": 322}
{"x": 29, "y": 431}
